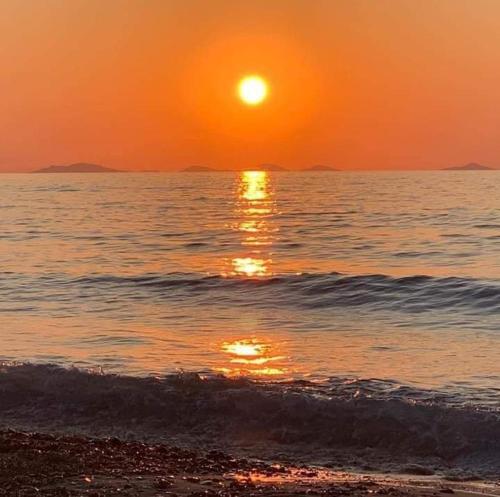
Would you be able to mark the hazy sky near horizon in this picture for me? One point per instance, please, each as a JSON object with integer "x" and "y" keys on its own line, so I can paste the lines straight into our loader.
{"x": 150, "y": 84}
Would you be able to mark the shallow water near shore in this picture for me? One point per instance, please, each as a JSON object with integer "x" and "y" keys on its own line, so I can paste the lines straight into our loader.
{"x": 392, "y": 279}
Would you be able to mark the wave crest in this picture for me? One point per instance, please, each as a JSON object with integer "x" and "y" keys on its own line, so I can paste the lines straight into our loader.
{"x": 411, "y": 293}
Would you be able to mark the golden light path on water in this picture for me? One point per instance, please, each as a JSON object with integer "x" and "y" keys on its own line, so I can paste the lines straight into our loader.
{"x": 255, "y": 207}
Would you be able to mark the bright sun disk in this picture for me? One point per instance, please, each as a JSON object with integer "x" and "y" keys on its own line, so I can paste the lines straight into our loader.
{"x": 252, "y": 90}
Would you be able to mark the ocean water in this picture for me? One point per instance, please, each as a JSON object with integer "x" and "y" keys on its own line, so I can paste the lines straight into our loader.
{"x": 379, "y": 283}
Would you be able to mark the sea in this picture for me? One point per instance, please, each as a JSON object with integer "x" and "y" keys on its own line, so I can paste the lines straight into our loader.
{"x": 344, "y": 285}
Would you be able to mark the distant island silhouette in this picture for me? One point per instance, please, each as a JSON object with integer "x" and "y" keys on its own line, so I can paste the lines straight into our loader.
{"x": 206, "y": 169}
{"x": 259, "y": 167}
{"x": 78, "y": 167}
{"x": 320, "y": 167}
{"x": 199, "y": 169}
{"x": 270, "y": 167}
{"x": 471, "y": 166}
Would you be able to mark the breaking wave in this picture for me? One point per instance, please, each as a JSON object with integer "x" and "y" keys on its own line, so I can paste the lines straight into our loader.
{"x": 343, "y": 415}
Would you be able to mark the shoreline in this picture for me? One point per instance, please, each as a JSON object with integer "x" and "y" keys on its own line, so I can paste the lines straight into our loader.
{"x": 51, "y": 465}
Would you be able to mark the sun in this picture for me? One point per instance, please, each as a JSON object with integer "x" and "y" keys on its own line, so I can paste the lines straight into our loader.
{"x": 252, "y": 90}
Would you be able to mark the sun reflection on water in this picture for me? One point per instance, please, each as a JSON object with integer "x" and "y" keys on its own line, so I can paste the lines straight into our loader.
{"x": 245, "y": 348}
{"x": 254, "y": 185}
{"x": 250, "y": 266}
{"x": 255, "y": 207}
{"x": 254, "y": 358}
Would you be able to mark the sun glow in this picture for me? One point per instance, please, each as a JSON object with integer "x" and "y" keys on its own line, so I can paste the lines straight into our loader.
{"x": 252, "y": 90}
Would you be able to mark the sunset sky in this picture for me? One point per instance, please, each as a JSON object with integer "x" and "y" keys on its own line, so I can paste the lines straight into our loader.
{"x": 151, "y": 84}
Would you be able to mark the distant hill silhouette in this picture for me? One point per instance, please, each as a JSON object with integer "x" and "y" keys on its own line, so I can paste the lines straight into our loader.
{"x": 471, "y": 166}
{"x": 78, "y": 167}
{"x": 270, "y": 167}
{"x": 200, "y": 169}
{"x": 320, "y": 167}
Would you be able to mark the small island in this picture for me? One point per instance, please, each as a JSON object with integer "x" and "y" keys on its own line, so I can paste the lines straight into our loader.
{"x": 271, "y": 168}
{"x": 471, "y": 166}
{"x": 201, "y": 169}
{"x": 320, "y": 167}
{"x": 78, "y": 167}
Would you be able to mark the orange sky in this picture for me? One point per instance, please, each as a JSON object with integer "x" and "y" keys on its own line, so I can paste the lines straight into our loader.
{"x": 150, "y": 84}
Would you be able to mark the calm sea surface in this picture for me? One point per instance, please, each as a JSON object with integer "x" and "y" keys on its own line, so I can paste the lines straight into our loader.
{"x": 393, "y": 276}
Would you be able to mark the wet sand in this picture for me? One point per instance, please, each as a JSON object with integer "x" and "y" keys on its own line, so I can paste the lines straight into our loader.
{"x": 36, "y": 464}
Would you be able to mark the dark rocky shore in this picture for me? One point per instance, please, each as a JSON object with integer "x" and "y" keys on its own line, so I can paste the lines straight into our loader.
{"x": 38, "y": 464}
